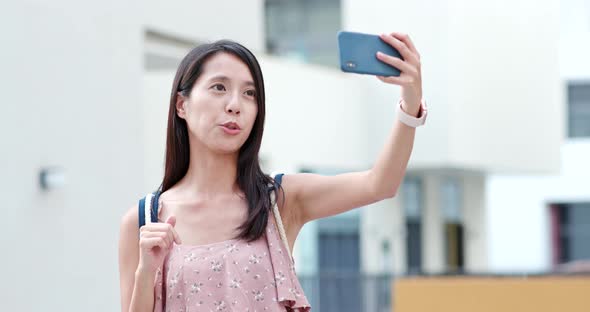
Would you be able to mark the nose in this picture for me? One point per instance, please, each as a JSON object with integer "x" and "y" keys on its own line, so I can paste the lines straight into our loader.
{"x": 233, "y": 106}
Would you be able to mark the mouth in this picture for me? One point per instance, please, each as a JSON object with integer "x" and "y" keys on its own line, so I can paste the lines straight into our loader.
{"x": 231, "y": 125}
{"x": 231, "y": 128}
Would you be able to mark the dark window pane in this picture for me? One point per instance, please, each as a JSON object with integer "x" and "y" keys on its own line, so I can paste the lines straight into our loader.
{"x": 579, "y": 110}
{"x": 574, "y": 232}
{"x": 412, "y": 204}
{"x": 414, "y": 246}
{"x": 304, "y": 30}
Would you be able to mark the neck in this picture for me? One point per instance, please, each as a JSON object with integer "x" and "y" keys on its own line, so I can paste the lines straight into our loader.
{"x": 210, "y": 174}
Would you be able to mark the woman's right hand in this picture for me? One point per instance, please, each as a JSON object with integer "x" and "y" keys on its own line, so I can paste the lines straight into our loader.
{"x": 155, "y": 242}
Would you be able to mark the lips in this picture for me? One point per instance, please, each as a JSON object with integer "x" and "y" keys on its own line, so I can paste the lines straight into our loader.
{"x": 231, "y": 125}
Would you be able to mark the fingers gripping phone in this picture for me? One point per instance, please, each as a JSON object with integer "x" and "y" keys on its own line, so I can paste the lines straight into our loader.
{"x": 358, "y": 54}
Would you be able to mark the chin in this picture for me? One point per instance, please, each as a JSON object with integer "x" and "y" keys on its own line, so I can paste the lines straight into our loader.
{"x": 227, "y": 149}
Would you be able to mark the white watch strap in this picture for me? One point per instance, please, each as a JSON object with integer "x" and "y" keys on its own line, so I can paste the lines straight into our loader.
{"x": 409, "y": 120}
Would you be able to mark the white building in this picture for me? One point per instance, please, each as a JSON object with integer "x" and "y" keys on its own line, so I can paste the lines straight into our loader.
{"x": 87, "y": 87}
{"x": 541, "y": 221}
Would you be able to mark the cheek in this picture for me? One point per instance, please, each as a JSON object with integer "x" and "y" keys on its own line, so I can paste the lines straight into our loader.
{"x": 201, "y": 105}
{"x": 252, "y": 114}
{"x": 200, "y": 118}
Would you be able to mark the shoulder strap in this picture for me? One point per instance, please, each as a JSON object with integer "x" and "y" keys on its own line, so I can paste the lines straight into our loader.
{"x": 278, "y": 179}
{"x": 275, "y": 209}
{"x": 148, "y": 209}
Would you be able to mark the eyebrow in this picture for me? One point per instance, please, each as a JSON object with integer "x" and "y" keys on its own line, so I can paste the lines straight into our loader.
{"x": 225, "y": 78}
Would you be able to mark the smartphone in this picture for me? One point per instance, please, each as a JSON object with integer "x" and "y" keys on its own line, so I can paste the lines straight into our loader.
{"x": 358, "y": 54}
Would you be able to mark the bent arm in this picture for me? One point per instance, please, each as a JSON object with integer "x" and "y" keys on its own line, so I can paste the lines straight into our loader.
{"x": 137, "y": 285}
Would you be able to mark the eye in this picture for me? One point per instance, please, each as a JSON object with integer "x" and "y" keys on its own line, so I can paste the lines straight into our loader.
{"x": 218, "y": 87}
{"x": 251, "y": 93}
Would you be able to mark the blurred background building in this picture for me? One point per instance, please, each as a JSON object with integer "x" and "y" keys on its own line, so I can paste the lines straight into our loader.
{"x": 497, "y": 182}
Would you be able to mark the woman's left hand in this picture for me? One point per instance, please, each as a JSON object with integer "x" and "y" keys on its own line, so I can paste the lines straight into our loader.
{"x": 410, "y": 78}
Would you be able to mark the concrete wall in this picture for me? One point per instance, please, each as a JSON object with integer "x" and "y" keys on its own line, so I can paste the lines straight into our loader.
{"x": 71, "y": 75}
{"x": 314, "y": 117}
{"x": 156, "y": 100}
{"x": 574, "y": 40}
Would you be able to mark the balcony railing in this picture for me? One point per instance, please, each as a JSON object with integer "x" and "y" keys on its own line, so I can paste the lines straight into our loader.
{"x": 348, "y": 292}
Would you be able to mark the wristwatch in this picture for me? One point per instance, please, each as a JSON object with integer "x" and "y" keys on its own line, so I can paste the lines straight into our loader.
{"x": 410, "y": 120}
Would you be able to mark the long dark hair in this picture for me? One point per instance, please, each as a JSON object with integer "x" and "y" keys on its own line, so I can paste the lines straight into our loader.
{"x": 250, "y": 178}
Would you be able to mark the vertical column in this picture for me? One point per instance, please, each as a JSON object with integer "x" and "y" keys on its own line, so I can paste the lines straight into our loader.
{"x": 474, "y": 211}
{"x": 432, "y": 225}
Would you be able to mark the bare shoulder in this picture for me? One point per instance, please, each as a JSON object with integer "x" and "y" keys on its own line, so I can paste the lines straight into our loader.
{"x": 129, "y": 240}
{"x": 128, "y": 254}
{"x": 293, "y": 184}
{"x": 130, "y": 220}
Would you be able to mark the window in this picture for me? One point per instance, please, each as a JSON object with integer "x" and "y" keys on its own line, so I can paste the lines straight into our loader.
{"x": 578, "y": 110}
{"x": 571, "y": 232}
{"x": 304, "y": 30}
{"x": 412, "y": 205}
{"x": 452, "y": 204}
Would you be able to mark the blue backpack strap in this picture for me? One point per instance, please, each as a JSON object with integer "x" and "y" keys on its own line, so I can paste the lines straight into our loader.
{"x": 278, "y": 179}
{"x": 153, "y": 211}
{"x": 277, "y": 182}
{"x": 156, "y": 202}
{"x": 141, "y": 212}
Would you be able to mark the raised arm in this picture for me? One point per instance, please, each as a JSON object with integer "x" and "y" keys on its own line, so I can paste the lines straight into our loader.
{"x": 315, "y": 196}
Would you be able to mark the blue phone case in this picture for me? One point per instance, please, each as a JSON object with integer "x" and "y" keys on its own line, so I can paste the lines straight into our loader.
{"x": 358, "y": 54}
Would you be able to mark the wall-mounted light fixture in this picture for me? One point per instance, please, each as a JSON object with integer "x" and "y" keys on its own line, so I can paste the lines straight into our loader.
{"x": 51, "y": 178}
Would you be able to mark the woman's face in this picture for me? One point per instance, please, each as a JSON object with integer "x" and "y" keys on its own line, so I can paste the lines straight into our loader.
{"x": 223, "y": 94}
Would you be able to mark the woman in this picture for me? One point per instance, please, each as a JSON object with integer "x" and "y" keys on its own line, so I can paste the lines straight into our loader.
{"x": 223, "y": 242}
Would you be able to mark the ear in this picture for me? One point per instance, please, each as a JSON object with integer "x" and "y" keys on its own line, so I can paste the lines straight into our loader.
{"x": 180, "y": 103}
